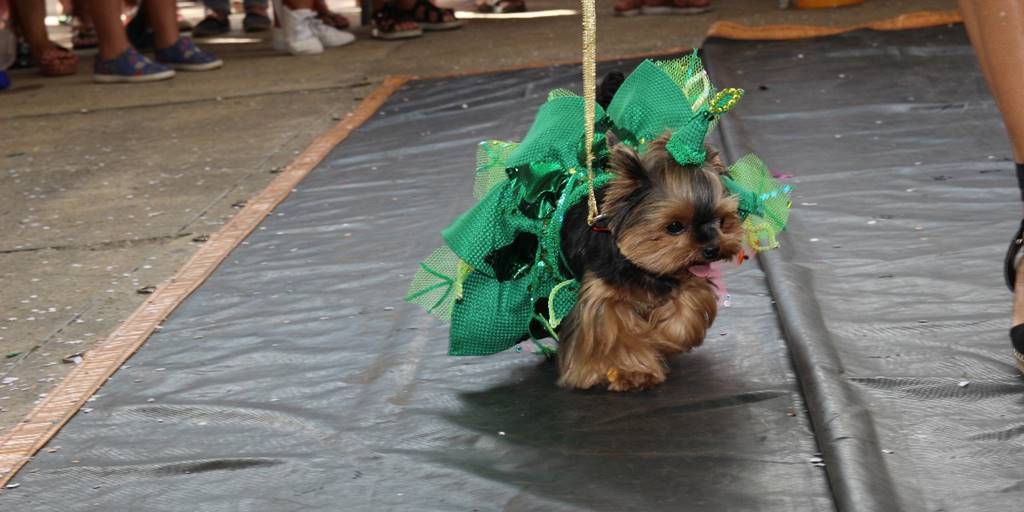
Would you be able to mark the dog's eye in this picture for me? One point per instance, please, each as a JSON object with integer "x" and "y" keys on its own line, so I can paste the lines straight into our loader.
{"x": 675, "y": 228}
{"x": 721, "y": 221}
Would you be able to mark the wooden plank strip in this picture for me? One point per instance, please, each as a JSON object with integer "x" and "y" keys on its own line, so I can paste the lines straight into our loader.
{"x": 907, "y": 21}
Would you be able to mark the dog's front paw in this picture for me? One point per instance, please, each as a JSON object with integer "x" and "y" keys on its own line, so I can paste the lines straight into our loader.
{"x": 622, "y": 380}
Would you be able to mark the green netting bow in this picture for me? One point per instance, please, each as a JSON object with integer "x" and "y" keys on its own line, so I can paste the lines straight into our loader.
{"x": 764, "y": 202}
{"x": 670, "y": 96}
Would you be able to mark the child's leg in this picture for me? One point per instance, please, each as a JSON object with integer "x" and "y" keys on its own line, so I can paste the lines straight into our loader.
{"x": 164, "y": 21}
{"x": 106, "y": 18}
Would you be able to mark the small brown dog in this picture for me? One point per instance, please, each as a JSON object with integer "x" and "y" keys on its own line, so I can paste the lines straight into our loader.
{"x": 638, "y": 299}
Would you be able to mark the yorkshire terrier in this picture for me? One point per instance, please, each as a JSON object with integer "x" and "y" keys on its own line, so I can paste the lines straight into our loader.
{"x": 638, "y": 300}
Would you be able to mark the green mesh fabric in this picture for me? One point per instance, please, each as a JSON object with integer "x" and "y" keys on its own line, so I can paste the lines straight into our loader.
{"x": 501, "y": 276}
{"x": 494, "y": 320}
{"x": 556, "y": 135}
{"x": 689, "y": 75}
{"x": 559, "y": 93}
{"x": 764, "y": 201}
{"x": 491, "y": 156}
{"x": 485, "y": 227}
{"x": 502, "y": 258}
{"x": 676, "y": 96}
{"x": 648, "y": 104}
{"x": 433, "y": 286}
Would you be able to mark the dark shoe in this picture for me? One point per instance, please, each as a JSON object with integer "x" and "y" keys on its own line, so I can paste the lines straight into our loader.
{"x": 212, "y": 25}
{"x": 255, "y": 22}
{"x": 1010, "y": 263}
{"x": 23, "y": 59}
{"x": 1017, "y": 339}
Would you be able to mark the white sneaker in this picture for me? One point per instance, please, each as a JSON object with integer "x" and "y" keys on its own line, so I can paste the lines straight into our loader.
{"x": 329, "y": 36}
{"x": 296, "y": 35}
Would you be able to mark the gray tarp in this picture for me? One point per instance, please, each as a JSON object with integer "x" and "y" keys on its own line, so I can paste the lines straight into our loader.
{"x": 295, "y": 379}
{"x": 889, "y": 285}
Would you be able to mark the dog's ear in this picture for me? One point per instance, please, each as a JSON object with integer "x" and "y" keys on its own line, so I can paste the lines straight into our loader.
{"x": 626, "y": 163}
{"x": 713, "y": 160}
{"x": 611, "y": 140}
{"x": 631, "y": 184}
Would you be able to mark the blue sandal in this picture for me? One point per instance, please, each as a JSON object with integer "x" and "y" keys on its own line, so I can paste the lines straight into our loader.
{"x": 129, "y": 67}
{"x": 186, "y": 56}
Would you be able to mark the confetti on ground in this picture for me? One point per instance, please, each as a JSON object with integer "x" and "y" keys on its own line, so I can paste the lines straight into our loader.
{"x": 72, "y": 359}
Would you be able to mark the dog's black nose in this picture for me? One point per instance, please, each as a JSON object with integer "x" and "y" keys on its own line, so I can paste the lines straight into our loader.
{"x": 710, "y": 253}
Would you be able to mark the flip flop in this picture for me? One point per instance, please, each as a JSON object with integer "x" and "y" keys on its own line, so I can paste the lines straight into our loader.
{"x": 58, "y": 61}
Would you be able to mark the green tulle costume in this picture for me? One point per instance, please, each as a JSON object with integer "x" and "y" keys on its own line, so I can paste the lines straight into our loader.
{"x": 500, "y": 278}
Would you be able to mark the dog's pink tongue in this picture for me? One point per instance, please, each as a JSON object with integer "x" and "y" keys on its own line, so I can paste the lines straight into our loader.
{"x": 702, "y": 271}
{"x": 714, "y": 273}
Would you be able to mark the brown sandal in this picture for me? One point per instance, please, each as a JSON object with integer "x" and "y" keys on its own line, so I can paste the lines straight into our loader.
{"x": 58, "y": 61}
{"x": 390, "y": 24}
{"x": 432, "y": 17}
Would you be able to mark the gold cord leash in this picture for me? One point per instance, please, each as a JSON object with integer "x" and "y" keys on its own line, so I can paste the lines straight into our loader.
{"x": 590, "y": 99}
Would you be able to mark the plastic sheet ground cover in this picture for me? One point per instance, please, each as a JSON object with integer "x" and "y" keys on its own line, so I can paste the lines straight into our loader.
{"x": 889, "y": 282}
{"x": 295, "y": 378}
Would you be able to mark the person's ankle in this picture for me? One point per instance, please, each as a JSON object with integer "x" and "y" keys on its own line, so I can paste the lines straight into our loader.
{"x": 219, "y": 15}
{"x": 161, "y": 43}
{"x": 111, "y": 52}
{"x": 39, "y": 47}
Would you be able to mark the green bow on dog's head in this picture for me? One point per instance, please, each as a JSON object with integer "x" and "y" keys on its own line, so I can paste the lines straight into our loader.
{"x": 687, "y": 142}
{"x": 674, "y": 96}
{"x": 677, "y": 96}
